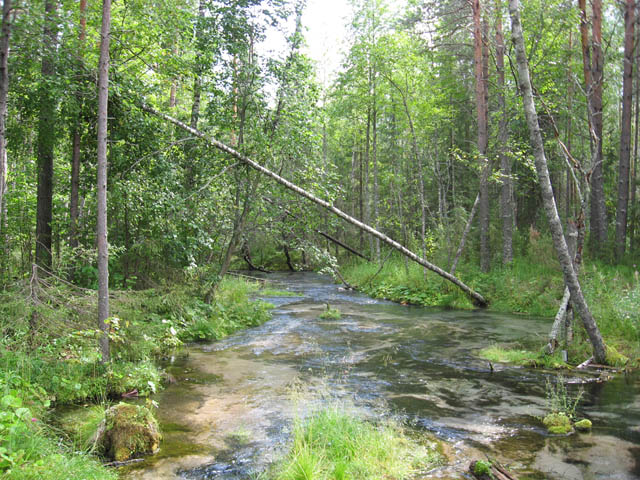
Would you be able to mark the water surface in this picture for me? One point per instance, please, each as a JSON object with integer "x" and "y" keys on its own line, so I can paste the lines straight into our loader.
{"x": 229, "y": 415}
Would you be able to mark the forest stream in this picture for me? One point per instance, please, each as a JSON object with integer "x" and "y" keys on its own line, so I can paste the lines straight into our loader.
{"x": 230, "y": 411}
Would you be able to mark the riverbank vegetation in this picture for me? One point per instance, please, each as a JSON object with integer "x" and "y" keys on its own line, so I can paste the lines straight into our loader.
{"x": 61, "y": 364}
{"x": 531, "y": 285}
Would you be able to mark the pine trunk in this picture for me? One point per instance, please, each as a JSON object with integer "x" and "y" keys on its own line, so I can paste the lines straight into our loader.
{"x": 625, "y": 132}
{"x": 481, "y": 76}
{"x": 46, "y": 140}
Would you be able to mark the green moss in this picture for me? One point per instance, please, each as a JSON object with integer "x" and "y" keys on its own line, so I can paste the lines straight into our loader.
{"x": 130, "y": 430}
{"x": 615, "y": 358}
{"x": 584, "y": 424}
{"x": 557, "y": 423}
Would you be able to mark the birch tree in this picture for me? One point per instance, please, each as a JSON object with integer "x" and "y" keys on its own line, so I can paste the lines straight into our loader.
{"x": 551, "y": 211}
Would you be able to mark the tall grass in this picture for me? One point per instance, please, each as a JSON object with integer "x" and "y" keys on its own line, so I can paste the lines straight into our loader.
{"x": 337, "y": 444}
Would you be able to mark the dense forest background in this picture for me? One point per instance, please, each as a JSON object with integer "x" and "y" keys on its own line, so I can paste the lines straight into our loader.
{"x": 419, "y": 134}
{"x": 395, "y": 139}
{"x": 447, "y": 145}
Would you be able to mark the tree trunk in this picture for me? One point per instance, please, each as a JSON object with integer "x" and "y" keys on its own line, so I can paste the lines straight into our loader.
{"x": 598, "y": 209}
{"x": 46, "y": 140}
{"x": 481, "y": 75}
{"x": 475, "y": 297}
{"x": 506, "y": 206}
{"x": 376, "y": 207}
{"x": 5, "y": 34}
{"x": 625, "y": 132}
{"x": 101, "y": 227}
{"x": 555, "y": 225}
{"x": 75, "y": 141}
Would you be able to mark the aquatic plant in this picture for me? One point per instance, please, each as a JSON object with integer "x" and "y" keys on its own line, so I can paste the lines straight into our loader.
{"x": 331, "y": 313}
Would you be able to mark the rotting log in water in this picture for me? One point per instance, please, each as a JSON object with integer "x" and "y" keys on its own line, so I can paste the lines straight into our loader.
{"x": 475, "y": 297}
{"x": 490, "y": 471}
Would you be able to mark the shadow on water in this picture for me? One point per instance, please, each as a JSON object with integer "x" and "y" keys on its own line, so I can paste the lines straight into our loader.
{"x": 230, "y": 413}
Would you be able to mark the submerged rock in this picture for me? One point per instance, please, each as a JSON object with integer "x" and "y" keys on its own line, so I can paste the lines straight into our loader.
{"x": 128, "y": 431}
{"x": 558, "y": 423}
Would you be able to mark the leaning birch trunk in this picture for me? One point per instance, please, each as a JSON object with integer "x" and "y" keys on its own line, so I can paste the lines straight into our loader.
{"x": 5, "y": 34}
{"x": 569, "y": 273}
{"x": 563, "y": 311}
{"x": 475, "y": 296}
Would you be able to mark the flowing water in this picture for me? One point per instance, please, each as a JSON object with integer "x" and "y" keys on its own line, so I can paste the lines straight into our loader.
{"x": 231, "y": 410}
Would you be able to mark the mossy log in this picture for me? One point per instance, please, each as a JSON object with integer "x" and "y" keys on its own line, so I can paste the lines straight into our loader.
{"x": 485, "y": 470}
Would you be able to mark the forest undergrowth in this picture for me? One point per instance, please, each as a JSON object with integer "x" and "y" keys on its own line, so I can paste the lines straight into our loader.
{"x": 49, "y": 358}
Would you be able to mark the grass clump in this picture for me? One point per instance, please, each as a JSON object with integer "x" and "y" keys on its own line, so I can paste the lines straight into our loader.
{"x": 274, "y": 292}
{"x": 334, "y": 444}
{"x": 525, "y": 358}
{"x": 81, "y": 425}
{"x": 331, "y": 313}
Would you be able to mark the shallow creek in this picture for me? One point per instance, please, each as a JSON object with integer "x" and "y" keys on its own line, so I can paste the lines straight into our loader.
{"x": 230, "y": 412}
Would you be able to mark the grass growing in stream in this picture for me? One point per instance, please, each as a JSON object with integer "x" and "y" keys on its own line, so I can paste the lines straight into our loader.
{"x": 336, "y": 444}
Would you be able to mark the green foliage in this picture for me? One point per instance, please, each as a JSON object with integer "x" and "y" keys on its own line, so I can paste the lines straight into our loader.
{"x": 28, "y": 449}
{"x": 336, "y": 444}
{"x": 482, "y": 467}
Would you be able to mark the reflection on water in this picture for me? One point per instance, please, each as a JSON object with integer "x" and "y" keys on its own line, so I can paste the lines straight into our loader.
{"x": 230, "y": 413}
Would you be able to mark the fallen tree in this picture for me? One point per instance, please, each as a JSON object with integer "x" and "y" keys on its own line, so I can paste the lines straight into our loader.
{"x": 476, "y": 298}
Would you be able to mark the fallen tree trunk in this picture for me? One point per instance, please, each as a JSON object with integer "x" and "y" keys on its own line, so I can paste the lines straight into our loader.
{"x": 476, "y": 298}
{"x": 490, "y": 471}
